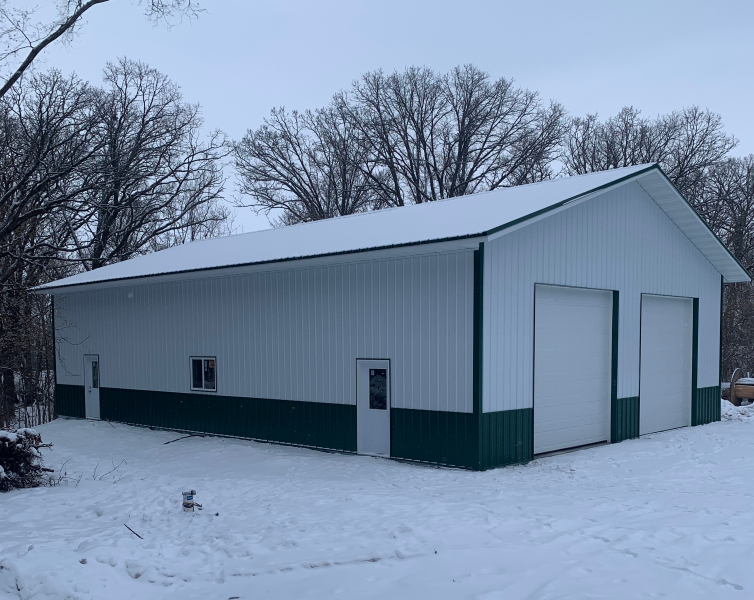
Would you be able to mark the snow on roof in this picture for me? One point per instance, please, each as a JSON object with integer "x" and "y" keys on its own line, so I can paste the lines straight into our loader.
{"x": 454, "y": 218}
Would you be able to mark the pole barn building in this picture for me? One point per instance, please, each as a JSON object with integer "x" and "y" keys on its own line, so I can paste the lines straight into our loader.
{"x": 473, "y": 332}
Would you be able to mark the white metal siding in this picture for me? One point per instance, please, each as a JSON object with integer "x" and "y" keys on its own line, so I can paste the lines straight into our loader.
{"x": 620, "y": 240}
{"x": 290, "y": 334}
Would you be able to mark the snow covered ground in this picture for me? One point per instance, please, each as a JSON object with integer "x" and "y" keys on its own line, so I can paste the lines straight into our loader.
{"x": 669, "y": 515}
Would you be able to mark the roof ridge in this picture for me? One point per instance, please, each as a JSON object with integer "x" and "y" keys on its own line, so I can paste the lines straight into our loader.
{"x": 473, "y": 195}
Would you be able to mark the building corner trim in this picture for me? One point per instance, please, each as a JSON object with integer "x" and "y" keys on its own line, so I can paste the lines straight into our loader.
{"x": 695, "y": 420}
{"x": 54, "y": 359}
{"x": 478, "y": 341}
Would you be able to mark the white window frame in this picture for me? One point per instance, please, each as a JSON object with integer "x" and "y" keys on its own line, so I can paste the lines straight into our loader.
{"x": 191, "y": 374}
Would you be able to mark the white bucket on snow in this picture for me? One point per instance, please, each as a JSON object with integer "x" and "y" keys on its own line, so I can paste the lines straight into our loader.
{"x": 188, "y": 501}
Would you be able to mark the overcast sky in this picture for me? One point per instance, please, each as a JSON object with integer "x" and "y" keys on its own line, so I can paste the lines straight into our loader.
{"x": 243, "y": 57}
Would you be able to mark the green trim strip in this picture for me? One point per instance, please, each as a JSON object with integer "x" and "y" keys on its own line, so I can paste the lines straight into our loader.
{"x": 614, "y": 364}
{"x": 694, "y": 360}
{"x": 624, "y": 412}
{"x": 478, "y": 341}
{"x": 69, "y": 400}
{"x": 312, "y": 424}
{"x": 452, "y": 439}
{"x": 507, "y": 438}
{"x": 624, "y": 419}
{"x": 446, "y": 438}
{"x": 707, "y": 408}
{"x": 722, "y": 289}
{"x": 54, "y": 359}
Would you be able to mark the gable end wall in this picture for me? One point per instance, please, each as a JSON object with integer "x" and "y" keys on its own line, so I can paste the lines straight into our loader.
{"x": 620, "y": 240}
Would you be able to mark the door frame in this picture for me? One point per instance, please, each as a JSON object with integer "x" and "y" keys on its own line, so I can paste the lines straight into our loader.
{"x": 613, "y": 358}
{"x": 99, "y": 386}
{"x": 694, "y": 349}
{"x": 389, "y": 406}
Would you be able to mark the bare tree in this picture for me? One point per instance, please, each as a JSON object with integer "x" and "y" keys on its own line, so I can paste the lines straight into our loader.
{"x": 206, "y": 220}
{"x": 728, "y": 205}
{"x": 725, "y": 198}
{"x": 26, "y": 355}
{"x": 405, "y": 138}
{"x": 398, "y": 115}
{"x": 48, "y": 139}
{"x": 90, "y": 176}
{"x": 501, "y": 135}
{"x": 23, "y": 36}
{"x": 155, "y": 175}
{"x": 308, "y": 165}
{"x": 685, "y": 143}
{"x": 47, "y": 142}
{"x": 702, "y": 144}
{"x": 441, "y": 136}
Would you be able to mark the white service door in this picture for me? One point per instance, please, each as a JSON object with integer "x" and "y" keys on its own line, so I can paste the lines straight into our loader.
{"x": 572, "y": 367}
{"x": 373, "y": 407}
{"x": 665, "y": 373}
{"x": 91, "y": 386}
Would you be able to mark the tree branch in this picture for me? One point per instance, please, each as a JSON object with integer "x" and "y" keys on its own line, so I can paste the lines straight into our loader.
{"x": 54, "y": 35}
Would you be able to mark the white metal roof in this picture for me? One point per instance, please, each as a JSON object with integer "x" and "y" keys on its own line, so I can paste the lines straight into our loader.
{"x": 454, "y": 218}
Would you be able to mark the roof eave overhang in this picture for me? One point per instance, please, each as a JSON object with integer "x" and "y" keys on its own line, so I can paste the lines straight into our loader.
{"x": 669, "y": 198}
{"x": 410, "y": 248}
{"x": 666, "y": 195}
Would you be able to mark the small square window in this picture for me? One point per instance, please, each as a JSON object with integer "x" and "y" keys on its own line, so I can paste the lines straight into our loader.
{"x": 204, "y": 373}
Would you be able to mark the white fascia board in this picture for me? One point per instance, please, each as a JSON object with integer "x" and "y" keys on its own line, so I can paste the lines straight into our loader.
{"x": 671, "y": 201}
{"x": 559, "y": 209}
{"x": 283, "y": 265}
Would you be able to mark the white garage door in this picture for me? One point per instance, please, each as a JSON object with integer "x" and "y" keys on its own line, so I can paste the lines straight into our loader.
{"x": 666, "y": 347}
{"x": 572, "y": 367}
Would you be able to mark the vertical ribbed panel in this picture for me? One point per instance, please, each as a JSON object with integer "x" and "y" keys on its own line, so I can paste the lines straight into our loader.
{"x": 70, "y": 401}
{"x": 624, "y": 419}
{"x": 446, "y": 438}
{"x": 621, "y": 240}
{"x": 314, "y": 424}
{"x": 291, "y": 334}
{"x": 507, "y": 437}
{"x": 706, "y": 406}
